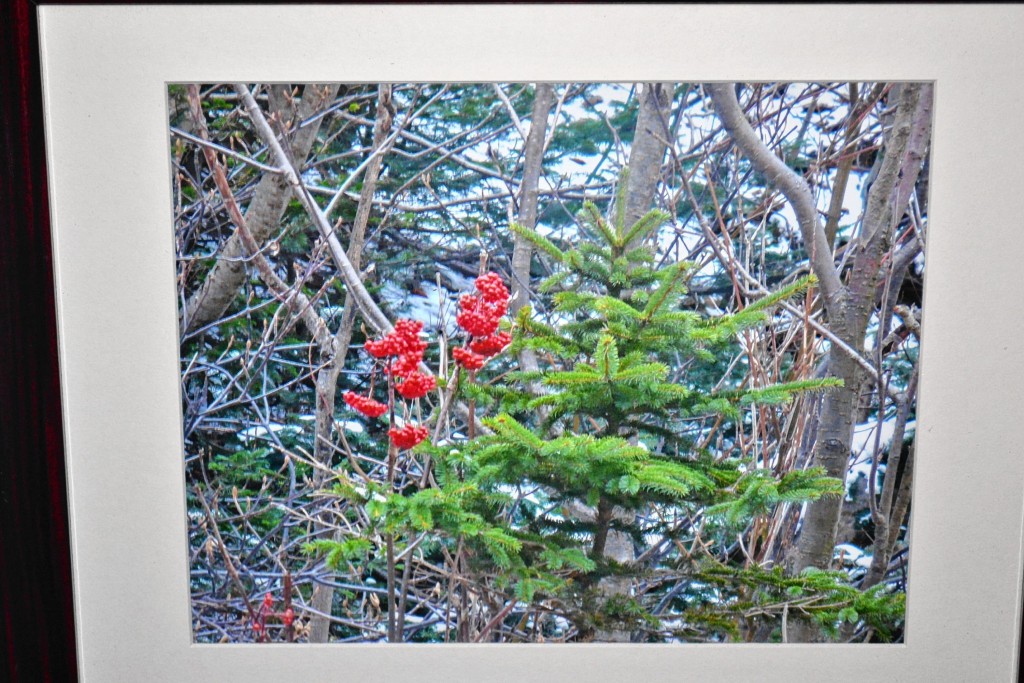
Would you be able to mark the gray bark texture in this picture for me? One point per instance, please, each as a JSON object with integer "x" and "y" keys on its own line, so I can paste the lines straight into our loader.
{"x": 904, "y": 149}
{"x": 263, "y": 214}
{"x": 650, "y": 142}
{"x": 849, "y": 307}
{"x": 371, "y": 312}
{"x": 789, "y": 182}
{"x": 522, "y": 251}
{"x": 297, "y": 303}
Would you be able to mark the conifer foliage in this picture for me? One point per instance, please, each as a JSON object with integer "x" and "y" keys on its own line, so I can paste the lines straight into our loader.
{"x": 614, "y": 430}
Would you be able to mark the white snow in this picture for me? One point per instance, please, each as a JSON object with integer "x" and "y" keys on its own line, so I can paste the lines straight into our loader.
{"x": 852, "y": 555}
{"x": 263, "y": 432}
{"x": 434, "y": 306}
{"x": 863, "y": 445}
{"x": 864, "y": 434}
{"x": 352, "y": 426}
{"x": 361, "y": 490}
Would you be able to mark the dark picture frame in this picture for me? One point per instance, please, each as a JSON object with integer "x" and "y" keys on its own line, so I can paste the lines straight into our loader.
{"x": 38, "y": 628}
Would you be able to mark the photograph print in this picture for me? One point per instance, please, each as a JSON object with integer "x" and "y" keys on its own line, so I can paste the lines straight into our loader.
{"x": 549, "y": 362}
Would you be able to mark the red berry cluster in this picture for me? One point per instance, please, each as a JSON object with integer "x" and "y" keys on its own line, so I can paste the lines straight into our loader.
{"x": 491, "y": 346}
{"x": 479, "y": 316}
{"x": 416, "y": 385}
{"x": 468, "y": 359}
{"x": 404, "y": 350}
{"x": 407, "y": 436}
{"x": 403, "y": 342}
{"x": 365, "y": 405}
{"x": 492, "y": 289}
{"x": 265, "y": 611}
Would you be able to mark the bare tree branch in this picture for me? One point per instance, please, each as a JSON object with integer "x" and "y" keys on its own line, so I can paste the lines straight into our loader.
{"x": 297, "y": 302}
{"x": 522, "y": 252}
{"x": 369, "y": 308}
{"x": 792, "y": 185}
{"x": 327, "y": 381}
{"x": 263, "y": 215}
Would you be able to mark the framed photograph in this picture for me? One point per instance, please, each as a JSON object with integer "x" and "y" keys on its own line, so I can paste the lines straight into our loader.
{"x": 539, "y": 342}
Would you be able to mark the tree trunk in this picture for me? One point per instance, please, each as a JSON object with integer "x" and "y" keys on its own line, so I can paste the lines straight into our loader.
{"x": 849, "y": 308}
{"x": 650, "y": 142}
{"x": 904, "y": 149}
{"x": 522, "y": 252}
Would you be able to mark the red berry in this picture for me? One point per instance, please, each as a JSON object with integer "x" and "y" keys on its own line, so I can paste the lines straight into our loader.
{"x": 407, "y": 436}
{"x": 491, "y": 346}
{"x": 492, "y": 289}
{"x": 364, "y": 404}
{"x": 382, "y": 348}
{"x": 478, "y": 317}
{"x": 406, "y": 364}
{"x": 409, "y": 329}
{"x": 468, "y": 359}
{"x": 405, "y": 338}
{"x": 416, "y": 385}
